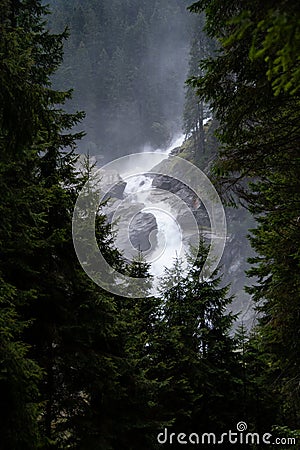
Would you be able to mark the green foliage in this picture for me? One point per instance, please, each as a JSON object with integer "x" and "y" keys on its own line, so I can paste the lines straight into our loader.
{"x": 57, "y": 328}
{"x": 259, "y": 402}
{"x": 195, "y": 109}
{"x": 280, "y": 47}
{"x": 252, "y": 85}
{"x": 19, "y": 378}
{"x": 196, "y": 359}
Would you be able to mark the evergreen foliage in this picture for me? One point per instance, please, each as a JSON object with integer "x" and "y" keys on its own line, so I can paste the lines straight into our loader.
{"x": 253, "y": 87}
{"x": 195, "y": 109}
{"x": 19, "y": 379}
{"x": 196, "y": 357}
{"x": 58, "y": 332}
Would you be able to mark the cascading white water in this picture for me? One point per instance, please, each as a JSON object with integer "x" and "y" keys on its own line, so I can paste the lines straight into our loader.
{"x": 137, "y": 187}
{"x": 167, "y": 232}
{"x": 169, "y": 238}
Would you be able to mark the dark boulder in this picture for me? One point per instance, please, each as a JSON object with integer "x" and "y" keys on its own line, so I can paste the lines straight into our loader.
{"x": 142, "y": 231}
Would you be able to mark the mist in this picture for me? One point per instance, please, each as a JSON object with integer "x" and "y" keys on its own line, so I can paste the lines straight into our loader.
{"x": 127, "y": 63}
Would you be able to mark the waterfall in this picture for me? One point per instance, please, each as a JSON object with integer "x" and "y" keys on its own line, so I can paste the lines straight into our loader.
{"x": 139, "y": 190}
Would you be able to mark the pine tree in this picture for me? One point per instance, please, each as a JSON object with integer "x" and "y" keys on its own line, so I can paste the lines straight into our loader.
{"x": 252, "y": 85}
{"x": 195, "y": 109}
{"x": 19, "y": 377}
{"x": 123, "y": 416}
{"x": 22, "y": 117}
{"x": 58, "y": 330}
{"x": 197, "y": 365}
{"x": 259, "y": 405}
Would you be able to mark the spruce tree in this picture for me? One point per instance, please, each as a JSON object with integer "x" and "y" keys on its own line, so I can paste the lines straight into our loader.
{"x": 195, "y": 109}
{"x": 58, "y": 329}
{"x": 123, "y": 409}
{"x": 196, "y": 360}
{"x": 253, "y": 87}
{"x": 19, "y": 378}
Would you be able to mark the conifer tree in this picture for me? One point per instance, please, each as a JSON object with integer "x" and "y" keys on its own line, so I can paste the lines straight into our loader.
{"x": 195, "y": 109}
{"x": 197, "y": 365}
{"x": 259, "y": 405}
{"x": 253, "y": 87}
{"x": 19, "y": 378}
{"x": 123, "y": 416}
{"x": 58, "y": 329}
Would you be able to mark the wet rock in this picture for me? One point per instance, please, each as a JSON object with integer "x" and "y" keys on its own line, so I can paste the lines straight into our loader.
{"x": 176, "y": 187}
{"x": 142, "y": 231}
{"x": 113, "y": 184}
{"x": 116, "y": 191}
